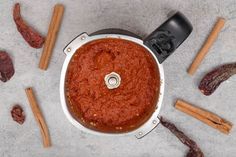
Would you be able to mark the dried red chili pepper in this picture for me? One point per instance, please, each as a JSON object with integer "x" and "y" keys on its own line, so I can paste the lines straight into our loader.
{"x": 17, "y": 114}
{"x": 213, "y": 79}
{"x": 194, "y": 151}
{"x": 6, "y": 67}
{"x": 33, "y": 38}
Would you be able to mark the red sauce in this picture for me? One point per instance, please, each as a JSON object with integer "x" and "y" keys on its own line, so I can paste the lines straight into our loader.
{"x": 112, "y": 110}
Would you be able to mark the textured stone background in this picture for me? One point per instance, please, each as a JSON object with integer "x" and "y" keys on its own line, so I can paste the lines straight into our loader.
{"x": 138, "y": 16}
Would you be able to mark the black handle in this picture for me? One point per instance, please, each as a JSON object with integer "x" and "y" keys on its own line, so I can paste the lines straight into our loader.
{"x": 169, "y": 36}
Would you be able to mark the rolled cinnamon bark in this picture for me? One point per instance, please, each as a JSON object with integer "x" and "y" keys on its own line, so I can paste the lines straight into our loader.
{"x": 207, "y": 45}
{"x": 51, "y": 36}
{"x": 38, "y": 117}
{"x": 205, "y": 116}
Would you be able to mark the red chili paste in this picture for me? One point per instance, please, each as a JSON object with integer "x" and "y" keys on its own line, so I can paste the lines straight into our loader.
{"x": 112, "y": 110}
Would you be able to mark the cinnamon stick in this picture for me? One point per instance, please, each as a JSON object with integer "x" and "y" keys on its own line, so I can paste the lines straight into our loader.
{"x": 205, "y": 116}
{"x": 51, "y": 36}
{"x": 207, "y": 45}
{"x": 38, "y": 117}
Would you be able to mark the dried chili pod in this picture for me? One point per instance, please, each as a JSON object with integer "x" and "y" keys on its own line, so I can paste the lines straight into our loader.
{"x": 194, "y": 151}
{"x": 17, "y": 114}
{"x": 6, "y": 67}
{"x": 33, "y": 38}
{"x": 213, "y": 79}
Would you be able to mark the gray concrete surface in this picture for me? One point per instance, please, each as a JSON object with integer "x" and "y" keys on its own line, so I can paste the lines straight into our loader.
{"x": 138, "y": 16}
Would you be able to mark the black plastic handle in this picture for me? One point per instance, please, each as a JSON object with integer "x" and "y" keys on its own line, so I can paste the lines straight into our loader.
{"x": 169, "y": 36}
